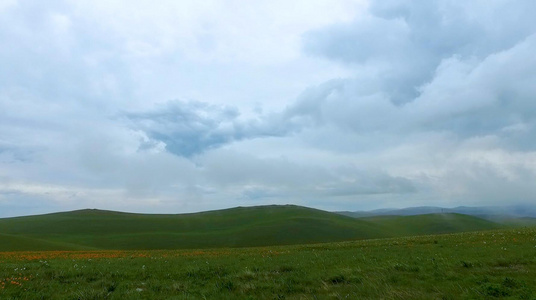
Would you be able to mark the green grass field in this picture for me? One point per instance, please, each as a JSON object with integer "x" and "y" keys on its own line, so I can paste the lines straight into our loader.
{"x": 237, "y": 227}
{"x": 266, "y": 252}
{"x": 498, "y": 264}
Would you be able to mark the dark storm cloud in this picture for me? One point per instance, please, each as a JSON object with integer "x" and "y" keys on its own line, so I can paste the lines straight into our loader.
{"x": 403, "y": 42}
{"x": 421, "y": 66}
{"x": 192, "y": 127}
{"x": 465, "y": 68}
{"x": 466, "y": 96}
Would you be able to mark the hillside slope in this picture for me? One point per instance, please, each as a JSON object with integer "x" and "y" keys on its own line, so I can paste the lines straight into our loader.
{"x": 251, "y": 226}
{"x": 236, "y": 227}
{"x": 431, "y": 224}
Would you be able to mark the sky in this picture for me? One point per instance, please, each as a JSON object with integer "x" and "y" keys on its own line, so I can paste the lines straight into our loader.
{"x": 185, "y": 106}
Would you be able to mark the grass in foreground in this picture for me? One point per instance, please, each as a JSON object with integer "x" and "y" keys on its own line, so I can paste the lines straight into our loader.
{"x": 478, "y": 265}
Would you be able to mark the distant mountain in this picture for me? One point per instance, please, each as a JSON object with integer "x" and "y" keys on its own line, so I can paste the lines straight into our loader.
{"x": 488, "y": 212}
{"x": 236, "y": 227}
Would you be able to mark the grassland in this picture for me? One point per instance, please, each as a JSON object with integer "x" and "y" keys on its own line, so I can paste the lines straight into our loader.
{"x": 432, "y": 224}
{"x": 476, "y": 265}
{"x": 237, "y": 227}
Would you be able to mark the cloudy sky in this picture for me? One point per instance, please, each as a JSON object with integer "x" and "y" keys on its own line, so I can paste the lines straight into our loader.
{"x": 183, "y": 106}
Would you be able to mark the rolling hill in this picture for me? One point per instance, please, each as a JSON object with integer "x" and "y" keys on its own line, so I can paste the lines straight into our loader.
{"x": 235, "y": 227}
{"x": 431, "y": 224}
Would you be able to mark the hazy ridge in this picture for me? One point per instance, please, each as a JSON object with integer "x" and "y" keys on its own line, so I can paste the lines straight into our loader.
{"x": 488, "y": 212}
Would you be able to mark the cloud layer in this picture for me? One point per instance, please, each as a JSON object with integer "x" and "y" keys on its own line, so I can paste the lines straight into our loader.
{"x": 335, "y": 104}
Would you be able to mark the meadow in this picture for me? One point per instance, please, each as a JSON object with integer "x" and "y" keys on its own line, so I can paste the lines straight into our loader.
{"x": 472, "y": 265}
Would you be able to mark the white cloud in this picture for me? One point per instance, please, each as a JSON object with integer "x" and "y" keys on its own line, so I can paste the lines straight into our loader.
{"x": 261, "y": 32}
{"x": 339, "y": 105}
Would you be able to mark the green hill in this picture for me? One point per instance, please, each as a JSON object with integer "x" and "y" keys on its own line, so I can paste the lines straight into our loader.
{"x": 236, "y": 227}
{"x": 431, "y": 224}
{"x": 10, "y": 242}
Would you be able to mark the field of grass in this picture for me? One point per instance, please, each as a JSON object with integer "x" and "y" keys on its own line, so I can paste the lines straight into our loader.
{"x": 431, "y": 224}
{"x": 477, "y": 265}
{"x": 237, "y": 227}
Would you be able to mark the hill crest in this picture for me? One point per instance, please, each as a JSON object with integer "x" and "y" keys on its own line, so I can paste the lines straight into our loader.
{"x": 234, "y": 227}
